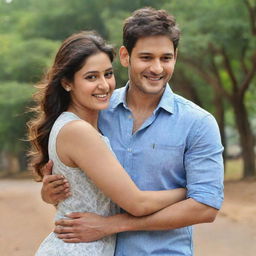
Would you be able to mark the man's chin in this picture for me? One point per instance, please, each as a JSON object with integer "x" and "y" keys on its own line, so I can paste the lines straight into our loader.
{"x": 154, "y": 90}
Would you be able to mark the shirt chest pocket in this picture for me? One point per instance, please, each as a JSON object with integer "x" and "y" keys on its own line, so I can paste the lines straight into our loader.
{"x": 167, "y": 157}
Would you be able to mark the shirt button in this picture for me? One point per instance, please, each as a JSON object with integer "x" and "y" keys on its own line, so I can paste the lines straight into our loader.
{"x": 129, "y": 150}
{"x": 130, "y": 116}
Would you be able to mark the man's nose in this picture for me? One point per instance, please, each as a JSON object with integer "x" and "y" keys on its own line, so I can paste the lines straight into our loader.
{"x": 156, "y": 67}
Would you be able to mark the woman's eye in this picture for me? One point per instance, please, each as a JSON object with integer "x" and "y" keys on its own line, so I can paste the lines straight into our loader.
{"x": 109, "y": 74}
{"x": 90, "y": 77}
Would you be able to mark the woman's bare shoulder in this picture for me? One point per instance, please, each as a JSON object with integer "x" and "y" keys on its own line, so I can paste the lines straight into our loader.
{"x": 78, "y": 129}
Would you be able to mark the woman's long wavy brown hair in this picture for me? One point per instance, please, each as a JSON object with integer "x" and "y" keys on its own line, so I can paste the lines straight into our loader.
{"x": 51, "y": 99}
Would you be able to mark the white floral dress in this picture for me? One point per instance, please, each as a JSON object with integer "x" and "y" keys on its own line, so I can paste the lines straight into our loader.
{"x": 86, "y": 197}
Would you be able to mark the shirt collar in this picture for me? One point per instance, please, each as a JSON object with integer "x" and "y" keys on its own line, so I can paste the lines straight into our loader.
{"x": 119, "y": 97}
{"x": 166, "y": 102}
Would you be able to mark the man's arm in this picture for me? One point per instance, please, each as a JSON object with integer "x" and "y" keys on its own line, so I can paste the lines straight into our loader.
{"x": 181, "y": 214}
{"x": 55, "y": 187}
{"x": 87, "y": 227}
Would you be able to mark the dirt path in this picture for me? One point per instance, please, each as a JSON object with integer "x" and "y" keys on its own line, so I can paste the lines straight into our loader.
{"x": 26, "y": 220}
{"x": 234, "y": 231}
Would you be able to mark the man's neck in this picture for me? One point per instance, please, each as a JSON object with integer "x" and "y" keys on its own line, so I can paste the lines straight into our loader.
{"x": 139, "y": 101}
{"x": 141, "y": 105}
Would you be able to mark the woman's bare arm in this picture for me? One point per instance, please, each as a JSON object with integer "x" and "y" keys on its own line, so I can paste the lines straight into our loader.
{"x": 80, "y": 145}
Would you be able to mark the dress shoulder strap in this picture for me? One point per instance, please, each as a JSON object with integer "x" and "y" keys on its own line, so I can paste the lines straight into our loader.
{"x": 61, "y": 121}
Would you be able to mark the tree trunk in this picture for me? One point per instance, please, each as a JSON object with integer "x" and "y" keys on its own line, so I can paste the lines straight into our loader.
{"x": 220, "y": 117}
{"x": 3, "y": 161}
{"x": 184, "y": 86}
{"x": 246, "y": 137}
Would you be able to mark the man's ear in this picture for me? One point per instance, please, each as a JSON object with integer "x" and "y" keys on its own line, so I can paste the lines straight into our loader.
{"x": 124, "y": 56}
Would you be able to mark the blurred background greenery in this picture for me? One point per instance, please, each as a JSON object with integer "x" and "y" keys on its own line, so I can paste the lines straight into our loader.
{"x": 216, "y": 65}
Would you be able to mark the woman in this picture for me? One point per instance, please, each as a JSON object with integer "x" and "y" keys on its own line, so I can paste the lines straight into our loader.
{"x": 76, "y": 88}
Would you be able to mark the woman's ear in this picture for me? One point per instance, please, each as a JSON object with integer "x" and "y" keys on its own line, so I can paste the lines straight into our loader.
{"x": 124, "y": 56}
{"x": 66, "y": 85}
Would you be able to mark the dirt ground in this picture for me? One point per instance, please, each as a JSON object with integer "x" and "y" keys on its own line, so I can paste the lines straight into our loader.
{"x": 25, "y": 220}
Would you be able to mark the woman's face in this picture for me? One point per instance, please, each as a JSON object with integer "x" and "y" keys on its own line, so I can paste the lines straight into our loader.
{"x": 93, "y": 84}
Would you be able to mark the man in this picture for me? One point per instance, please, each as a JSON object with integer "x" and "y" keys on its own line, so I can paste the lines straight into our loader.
{"x": 162, "y": 140}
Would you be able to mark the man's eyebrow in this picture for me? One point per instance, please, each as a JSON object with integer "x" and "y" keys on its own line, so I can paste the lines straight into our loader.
{"x": 149, "y": 53}
{"x": 168, "y": 54}
{"x": 141, "y": 53}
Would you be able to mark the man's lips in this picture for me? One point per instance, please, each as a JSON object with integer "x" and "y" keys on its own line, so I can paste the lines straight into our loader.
{"x": 153, "y": 78}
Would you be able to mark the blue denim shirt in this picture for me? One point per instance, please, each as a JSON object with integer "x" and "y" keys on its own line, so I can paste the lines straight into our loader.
{"x": 178, "y": 146}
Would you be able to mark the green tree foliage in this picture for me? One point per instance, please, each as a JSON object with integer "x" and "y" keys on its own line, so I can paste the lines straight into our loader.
{"x": 25, "y": 60}
{"x": 14, "y": 101}
{"x": 57, "y": 19}
{"x": 215, "y": 63}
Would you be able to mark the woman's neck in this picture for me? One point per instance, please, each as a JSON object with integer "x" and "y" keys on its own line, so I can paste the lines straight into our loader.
{"x": 90, "y": 116}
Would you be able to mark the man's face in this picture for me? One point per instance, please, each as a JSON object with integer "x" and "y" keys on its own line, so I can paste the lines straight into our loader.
{"x": 150, "y": 65}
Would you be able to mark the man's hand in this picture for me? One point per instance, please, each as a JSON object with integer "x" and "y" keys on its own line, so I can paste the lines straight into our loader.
{"x": 55, "y": 187}
{"x": 82, "y": 227}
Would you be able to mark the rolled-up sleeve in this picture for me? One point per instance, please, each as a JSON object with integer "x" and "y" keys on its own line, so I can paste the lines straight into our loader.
{"x": 204, "y": 163}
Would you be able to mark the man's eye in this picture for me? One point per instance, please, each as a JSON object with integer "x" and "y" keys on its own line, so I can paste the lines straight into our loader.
{"x": 167, "y": 58}
{"x": 145, "y": 57}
